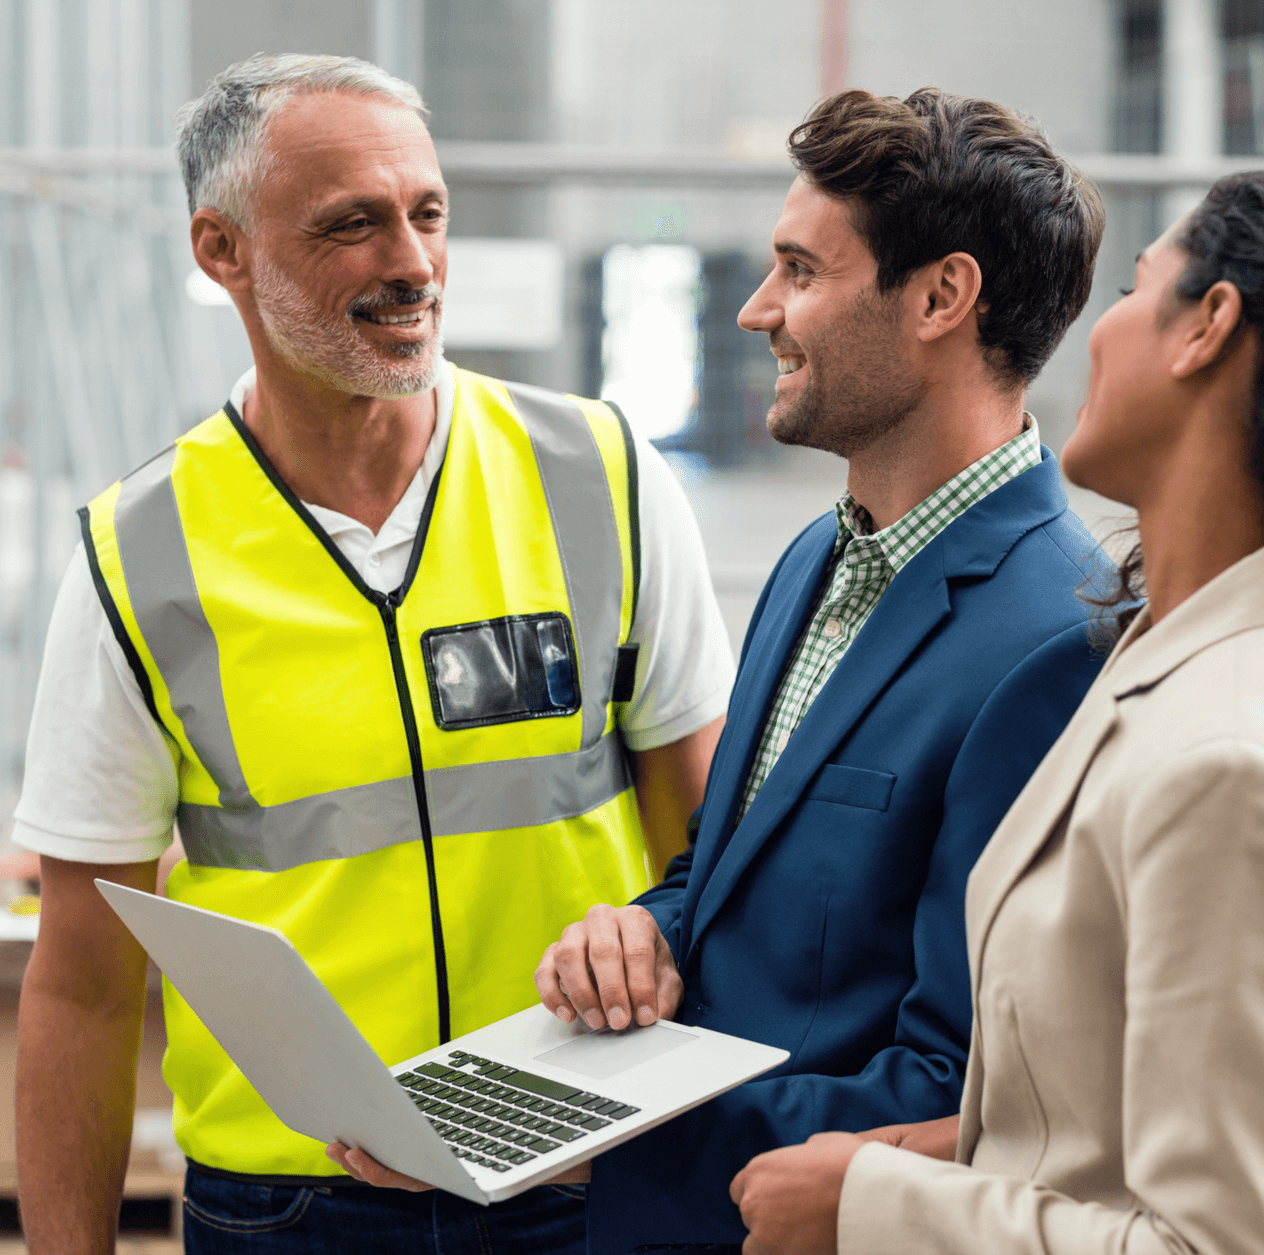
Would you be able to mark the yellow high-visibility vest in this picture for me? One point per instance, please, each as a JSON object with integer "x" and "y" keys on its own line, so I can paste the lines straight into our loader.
{"x": 419, "y": 789}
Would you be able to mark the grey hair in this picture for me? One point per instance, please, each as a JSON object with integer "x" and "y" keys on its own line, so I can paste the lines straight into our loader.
{"x": 219, "y": 136}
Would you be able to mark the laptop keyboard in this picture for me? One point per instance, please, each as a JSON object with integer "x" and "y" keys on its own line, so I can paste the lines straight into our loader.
{"x": 498, "y": 1116}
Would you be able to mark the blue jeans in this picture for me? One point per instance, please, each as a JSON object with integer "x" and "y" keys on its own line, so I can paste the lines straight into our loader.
{"x": 224, "y": 1217}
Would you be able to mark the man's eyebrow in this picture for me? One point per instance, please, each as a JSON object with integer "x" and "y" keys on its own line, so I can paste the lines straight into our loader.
{"x": 359, "y": 204}
{"x": 785, "y": 248}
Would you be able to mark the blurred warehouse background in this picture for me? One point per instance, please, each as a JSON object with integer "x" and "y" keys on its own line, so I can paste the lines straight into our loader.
{"x": 616, "y": 169}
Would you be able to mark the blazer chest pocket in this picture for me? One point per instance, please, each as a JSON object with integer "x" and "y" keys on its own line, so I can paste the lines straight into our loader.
{"x": 853, "y": 786}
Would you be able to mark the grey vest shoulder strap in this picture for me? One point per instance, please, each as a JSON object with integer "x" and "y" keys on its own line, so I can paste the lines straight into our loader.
{"x": 584, "y": 523}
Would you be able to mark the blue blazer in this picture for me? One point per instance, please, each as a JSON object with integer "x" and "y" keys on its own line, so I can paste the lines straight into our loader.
{"x": 830, "y": 921}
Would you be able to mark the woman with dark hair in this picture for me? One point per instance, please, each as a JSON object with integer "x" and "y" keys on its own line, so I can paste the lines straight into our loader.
{"x": 1114, "y": 1100}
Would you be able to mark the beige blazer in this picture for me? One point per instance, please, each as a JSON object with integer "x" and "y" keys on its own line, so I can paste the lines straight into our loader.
{"x": 1114, "y": 1099}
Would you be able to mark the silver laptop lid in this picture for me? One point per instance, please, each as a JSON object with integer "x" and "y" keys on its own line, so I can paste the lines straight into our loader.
{"x": 292, "y": 1041}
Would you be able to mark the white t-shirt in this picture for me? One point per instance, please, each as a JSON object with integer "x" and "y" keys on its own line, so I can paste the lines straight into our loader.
{"x": 100, "y": 783}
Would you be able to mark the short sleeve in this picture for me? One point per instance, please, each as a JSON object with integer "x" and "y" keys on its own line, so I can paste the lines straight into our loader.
{"x": 685, "y": 665}
{"x": 100, "y": 782}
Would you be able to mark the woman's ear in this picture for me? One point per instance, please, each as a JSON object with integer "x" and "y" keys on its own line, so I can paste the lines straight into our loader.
{"x": 1205, "y": 338}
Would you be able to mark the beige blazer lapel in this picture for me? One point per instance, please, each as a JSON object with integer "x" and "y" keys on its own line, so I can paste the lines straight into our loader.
{"x": 1035, "y": 815}
{"x": 1233, "y": 602}
{"x": 1030, "y": 822}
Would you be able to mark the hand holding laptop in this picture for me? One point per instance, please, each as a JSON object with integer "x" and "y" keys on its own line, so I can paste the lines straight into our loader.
{"x": 361, "y": 1165}
{"x": 616, "y": 959}
{"x": 521, "y": 1102}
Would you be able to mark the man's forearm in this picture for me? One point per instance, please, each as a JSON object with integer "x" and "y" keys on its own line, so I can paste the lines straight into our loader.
{"x": 76, "y": 1086}
{"x": 79, "y": 1026}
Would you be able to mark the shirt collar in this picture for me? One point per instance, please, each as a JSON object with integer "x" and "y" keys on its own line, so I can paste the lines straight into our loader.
{"x": 901, "y": 541}
{"x": 402, "y": 523}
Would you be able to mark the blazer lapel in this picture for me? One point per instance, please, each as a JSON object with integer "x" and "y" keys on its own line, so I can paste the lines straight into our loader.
{"x": 908, "y": 612}
{"x": 1036, "y": 814}
{"x": 915, "y": 604}
{"x": 1144, "y": 657}
{"x": 1233, "y": 602}
{"x": 790, "y": 603}
{"x": 1028, "y": 825}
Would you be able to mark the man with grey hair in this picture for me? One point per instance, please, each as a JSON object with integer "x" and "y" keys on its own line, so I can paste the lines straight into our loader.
{"x": 379, "y": 635}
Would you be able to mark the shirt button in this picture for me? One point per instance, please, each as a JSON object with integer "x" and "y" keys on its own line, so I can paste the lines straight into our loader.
{"x": 375, "y": 558}
{"x": 782, "y": 741}
{"x": 833, "y": 628}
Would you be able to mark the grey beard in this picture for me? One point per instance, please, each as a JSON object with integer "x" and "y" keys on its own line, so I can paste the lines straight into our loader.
{"x": 333, "y": 351}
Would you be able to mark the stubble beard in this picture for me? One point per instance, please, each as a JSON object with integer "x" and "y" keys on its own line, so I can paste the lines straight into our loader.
{"x": 871, "y": 393}
{"x": 332, "y": 348}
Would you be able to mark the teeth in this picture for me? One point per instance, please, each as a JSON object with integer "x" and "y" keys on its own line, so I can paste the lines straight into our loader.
{"x": 788, "y": 365}
{"x": 394, "y": 319}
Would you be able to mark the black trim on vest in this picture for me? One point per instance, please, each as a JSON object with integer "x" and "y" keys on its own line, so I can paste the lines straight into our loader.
{"x": 294, "y": 503}
{"x": 337, "y": 1182}
{"x": 115, "y": 619}
{"x": 387, "y": 607}
{"x": 634, "y": 506}
{"x": 423, "y": 530}
{"x": 419, "y": 540}
{"x": 387, "y": 604}
{"x": 625, "y": 674}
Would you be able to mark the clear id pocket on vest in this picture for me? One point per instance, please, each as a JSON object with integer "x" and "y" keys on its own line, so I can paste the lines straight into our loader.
{"x": 500, "y": 670}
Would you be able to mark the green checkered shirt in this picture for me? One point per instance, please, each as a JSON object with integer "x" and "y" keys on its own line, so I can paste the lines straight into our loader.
{"x": 865, "y": 563}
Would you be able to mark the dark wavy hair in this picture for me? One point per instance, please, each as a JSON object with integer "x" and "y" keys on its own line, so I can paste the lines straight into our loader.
{"x": 937, "y": 174}
{"x": 1224, "y": 241}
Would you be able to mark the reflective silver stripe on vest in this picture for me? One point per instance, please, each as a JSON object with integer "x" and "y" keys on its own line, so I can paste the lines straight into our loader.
{"x": 524, "y": 792}
{"x": 480, "y": 797}
{"x": 169, "y": 613}
{"x": 582, "y": 511}
{"x": 340, "y": 824}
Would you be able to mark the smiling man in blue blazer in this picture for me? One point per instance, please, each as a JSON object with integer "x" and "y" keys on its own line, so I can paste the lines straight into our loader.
{"x": 913, "y": 656}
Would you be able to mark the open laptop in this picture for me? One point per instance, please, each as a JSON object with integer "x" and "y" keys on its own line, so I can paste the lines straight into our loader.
{"x": 486, "y": 1116}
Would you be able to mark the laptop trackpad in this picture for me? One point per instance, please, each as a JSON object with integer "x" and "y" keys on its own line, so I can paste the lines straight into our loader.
{"x": 606, "y": 1053}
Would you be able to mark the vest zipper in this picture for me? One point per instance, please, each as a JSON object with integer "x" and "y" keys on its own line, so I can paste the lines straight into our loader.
{"x": 387, "y": 606}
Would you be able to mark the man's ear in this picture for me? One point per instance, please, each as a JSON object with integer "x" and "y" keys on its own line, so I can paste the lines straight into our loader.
{"x": 221, "y": 249}
{"x": 1203, "y": 339}
{"x": 944, "y": 293}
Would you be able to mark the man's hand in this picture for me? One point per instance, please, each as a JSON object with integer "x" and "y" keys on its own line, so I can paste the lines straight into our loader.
{"x": 936, "y": 1139}
{"x": 616, "y": 960}
{"x": 789, "y": 1197}
{"x": 365, "y": 1168}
